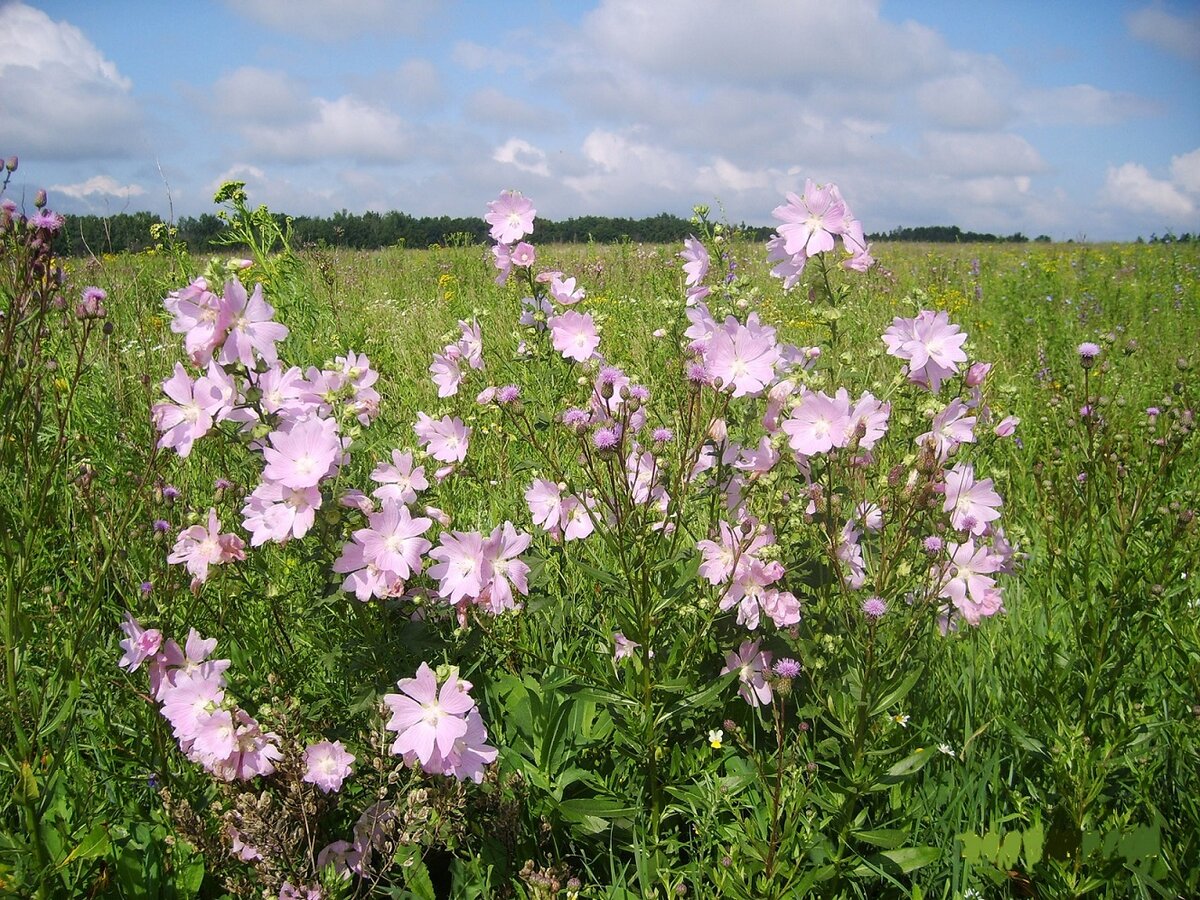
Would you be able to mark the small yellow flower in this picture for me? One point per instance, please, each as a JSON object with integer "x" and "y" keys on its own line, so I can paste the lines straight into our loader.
{"x": 715, "y": 737}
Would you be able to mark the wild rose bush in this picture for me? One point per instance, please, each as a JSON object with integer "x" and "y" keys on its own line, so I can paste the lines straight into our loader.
{"x": 774, "y": 556}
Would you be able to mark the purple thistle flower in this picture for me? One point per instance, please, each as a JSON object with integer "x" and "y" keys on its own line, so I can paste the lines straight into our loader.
{"x": 576, "y": 418}
{"x": 874, "y": 607}
{"x": 1088, "y": 351}
{"x": 662, "y": 435}
{"x": 607, "y": 438}
{"x": 507, "y": 394}
{"x": 787, "y": 668}
{"x": 170, "y": 493}
{"x": 932, "y": 544}
{"x": 161, "y": 526}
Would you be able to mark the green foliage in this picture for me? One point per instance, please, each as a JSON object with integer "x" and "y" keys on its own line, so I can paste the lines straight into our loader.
{"x": 1053, "y": 749}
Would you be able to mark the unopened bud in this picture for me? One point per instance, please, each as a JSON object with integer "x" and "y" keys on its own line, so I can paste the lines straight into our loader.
{"x": 11, "y": 164}
{"x": 39, "y": 199}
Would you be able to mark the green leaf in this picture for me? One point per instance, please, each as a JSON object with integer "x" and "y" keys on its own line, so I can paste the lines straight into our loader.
{"x": 95, "y": 843}
{"x": 912, "y": 763}
{"x": 901, "y": 861}
{"x": 896, "y": 694}
{"x": 415, "y": 872}
{"x": 887, "y": 838}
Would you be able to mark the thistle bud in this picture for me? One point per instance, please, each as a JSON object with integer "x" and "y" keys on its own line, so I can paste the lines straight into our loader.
{"x": 39, "y": 199}
{"x": 10, "y": 164}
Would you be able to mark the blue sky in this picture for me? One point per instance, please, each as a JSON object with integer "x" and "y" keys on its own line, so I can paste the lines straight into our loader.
{"x": 1066, "y": 118}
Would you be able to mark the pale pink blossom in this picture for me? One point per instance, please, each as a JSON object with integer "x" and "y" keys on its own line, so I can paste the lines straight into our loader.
{"x": 574, "y": 335}
{"x": 251, "y": 328}
{"x": 199, "y": 547}
{"x": 742, "y": 357}
{"x": 139, "y": 645}
{"x": 304, "y": 454}
{"x": 819, "y": 424}
{"x": 277, "y": 513}
{"x": 327, "y": 765}
{"x": 565, "y": 292}
{"x": 445, "y": 439}
{"x": 428, "y": 719}
{"x": 401, "y": 481}
{"x": 751, "y": 665}
{"x": 971, "y": 504}
{"x": 811, "y": 220}
{"x": 392, "y": 542}
{"x": 931, "y": 345}
{"x": 511, "y": 217}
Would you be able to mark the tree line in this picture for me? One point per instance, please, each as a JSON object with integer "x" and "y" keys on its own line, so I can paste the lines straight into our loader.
{"x": 91, "y": 234}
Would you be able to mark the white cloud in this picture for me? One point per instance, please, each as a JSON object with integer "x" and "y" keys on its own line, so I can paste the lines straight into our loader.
{"x": 259, "y": 95}
{"x": 61, "y": 98}
{"x": 345, "y": 128}
{"x": 997, "y": 153}
{"x": 336, "y": 20}
{"x": 764, "y": 41}
{"x": 1132, "y": 188}
{"x": 1185, "y": 171}
{"x": 103, "y": 185}
{"x": 1082, "y": 104}
{"x": 1178, "y": 35}
{"x": 963, "y": 101}
{"x": 523, "y": 156}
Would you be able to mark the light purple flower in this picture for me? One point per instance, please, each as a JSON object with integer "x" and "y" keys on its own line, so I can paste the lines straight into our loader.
{"x": 327, "y": 765}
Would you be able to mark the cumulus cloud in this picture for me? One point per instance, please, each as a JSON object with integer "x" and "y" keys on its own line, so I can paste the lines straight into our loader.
{"x": 764, "y": 41}
{"x": 956, "y": 153}
{"x": 1083, "y": 104}
{"x": 267, "y": 96}
{"x": 321, "y": 129}
{"x": 1185, "y": 171}
{"x": 62, "y": 99}
{"x": 1177, "y": 34}
{"x": 334, "y": 20}
{"x": 523, "y": 156}
{"x": 98, "y": 185}
{"x": 1132, "y": 188}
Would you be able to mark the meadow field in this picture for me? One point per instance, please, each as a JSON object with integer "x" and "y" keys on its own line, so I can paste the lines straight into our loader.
{"x": 668, "y": 581}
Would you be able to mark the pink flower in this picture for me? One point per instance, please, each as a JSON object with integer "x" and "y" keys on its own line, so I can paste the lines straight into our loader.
{"x": 462, "y": 567}
{"x": 327, "y": 765}
{"x": 428, "y": 720}
{"x": 742, "y": 356}
{"x": 446, "y": 371}
{"x": 195, "y": 408}
{"x": 469, "y": 753}
{"x": 275, "y": 512}
{"x": 393, "y": 542}
{"x": 872, "y": 415}
{"x": 623, "y": 647}
{"x": 564, "y": 292}
{"x": 788, "y": 266}
{"x": 951, "y": 427}
{"x": 255, "y": 752}
{"x": 400, "y": 481}
{"x": 445, "y": 439}
{"x": 199, "y": 315}
{"x": 819, "y": 423}
{"x": 972, "y": 505}
{"x": 139, "y": 645}
{"x": 811, "y": 220}
{"x": 523, "y": 255}
{"x": 502, "y": 259}
{"x": 751, "y": 664}
{"x": 931, "y": 345}
{"x": 968, "y": 583}
{"x": 189, "y": 700}
{"x": 574, "y": 335}
{"x": 198, "y": 547}
{"x": 1007, "y": 426}
{"x": 695, "y": 266}
{"x": 500, "y": 552}
{"x": 511, "y": 217}
{"x": 250, "y": 326}
{"x": 300, "y": 457}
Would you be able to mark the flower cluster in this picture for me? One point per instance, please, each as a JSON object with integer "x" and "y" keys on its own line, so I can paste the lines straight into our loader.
{"x": 189, "y": 686}
{"x": 439, "y": 728}
{"x": 811, "y": 221}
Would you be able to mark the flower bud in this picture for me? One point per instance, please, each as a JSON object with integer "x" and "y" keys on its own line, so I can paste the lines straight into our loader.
{"x": 39, "y": 199}
{"x": 11, "y": 164}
